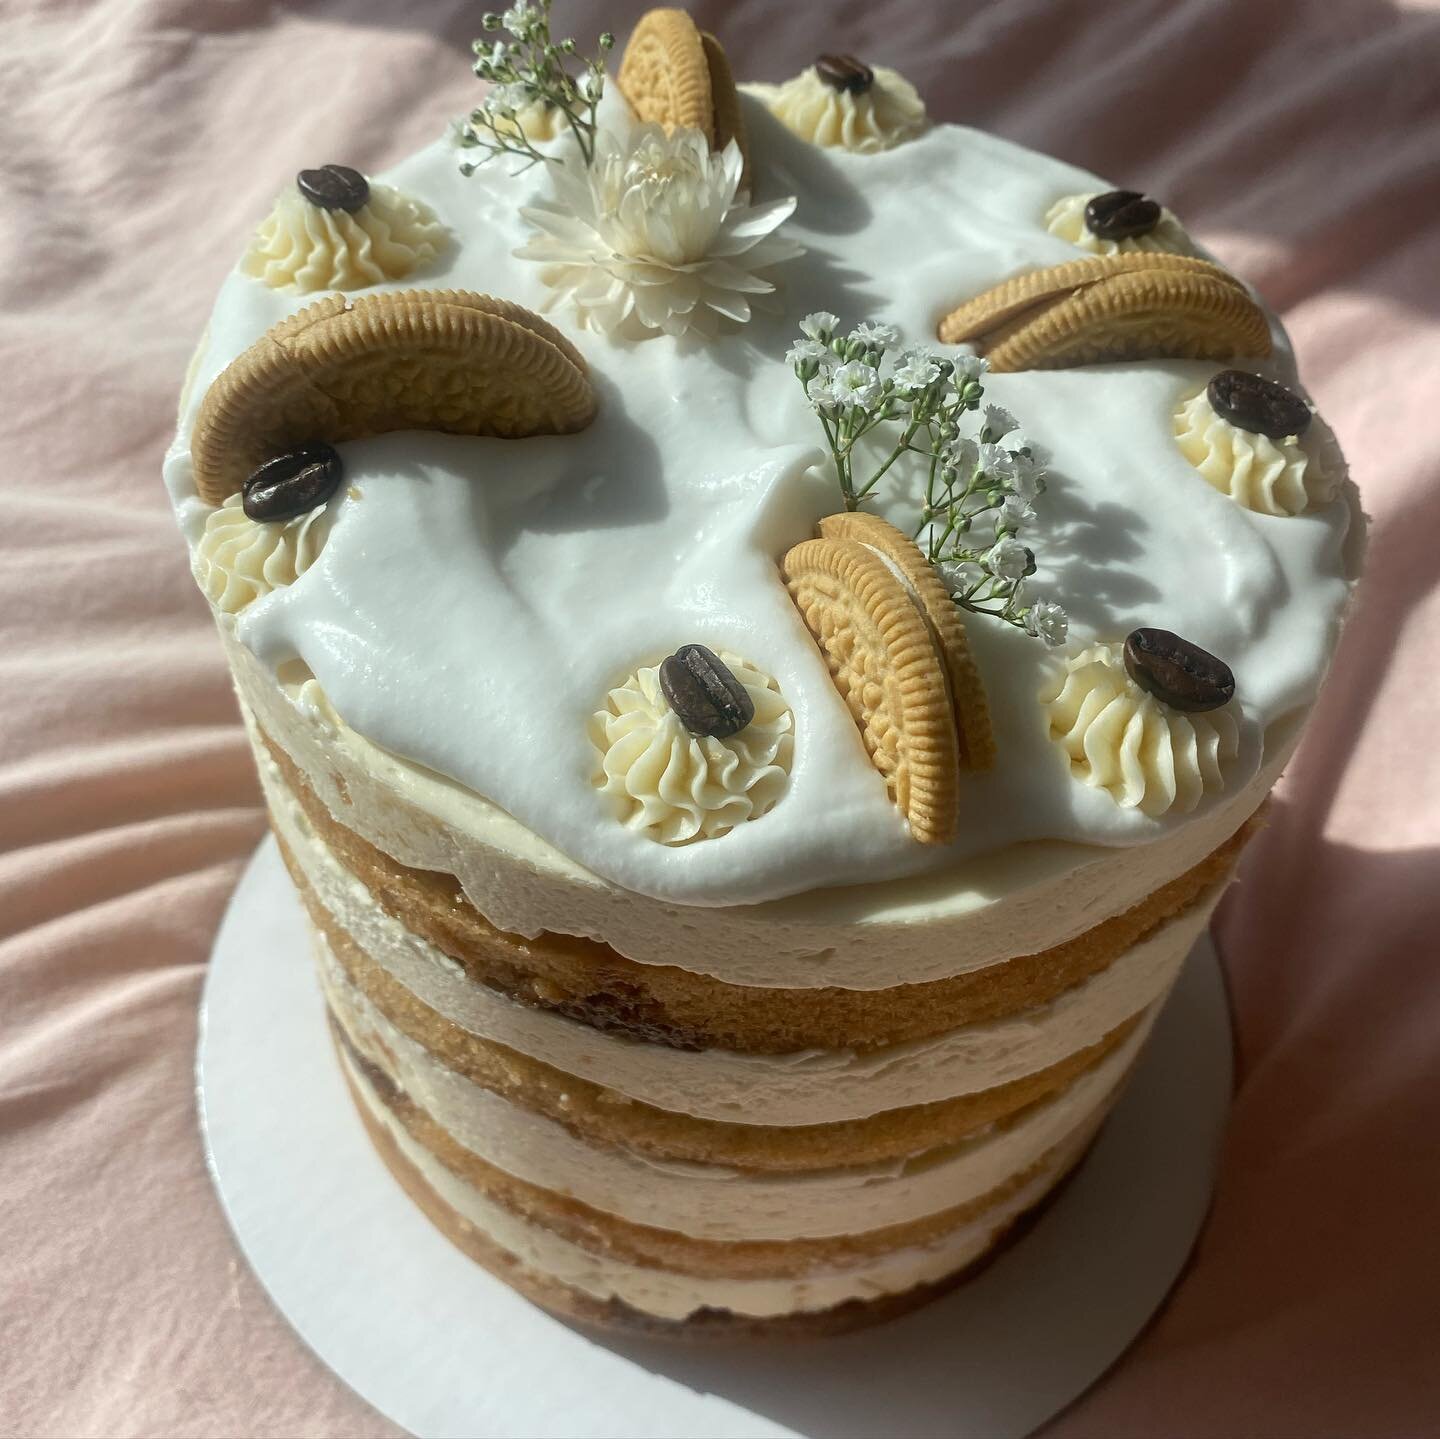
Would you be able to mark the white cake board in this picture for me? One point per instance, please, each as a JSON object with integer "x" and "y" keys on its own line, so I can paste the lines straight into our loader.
{"x": 442, "y": 1348}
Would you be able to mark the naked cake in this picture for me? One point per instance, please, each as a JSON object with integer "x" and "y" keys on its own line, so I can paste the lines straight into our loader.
{"x": 766, "y": 622}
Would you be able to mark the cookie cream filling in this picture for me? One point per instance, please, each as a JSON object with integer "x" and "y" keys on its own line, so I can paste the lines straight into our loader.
{"x": 671, "y": 1295}
{"x": 712, "y": 1201}
{"x": 553, "y": 560}
{"x": 804, "y": 1087}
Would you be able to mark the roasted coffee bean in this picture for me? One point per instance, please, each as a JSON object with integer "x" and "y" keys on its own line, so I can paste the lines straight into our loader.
{"x": 1120, "y": 214}
{"x": 292, "y": 484}
{"x": 1180, "y": 674}
{"x": 1259, "y": 405}
{"x": 334, "y": 187}
{"x": 845, "y": 72}
{"x": 704, "y": 692}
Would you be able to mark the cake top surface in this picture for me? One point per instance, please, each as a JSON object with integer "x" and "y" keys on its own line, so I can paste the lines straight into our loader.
{"x": 496, "y": 611}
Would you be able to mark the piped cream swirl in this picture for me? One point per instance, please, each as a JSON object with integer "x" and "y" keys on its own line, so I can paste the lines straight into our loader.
{"x": 238, "y": 560}
{"x": 878, "y": 118}
{"x": 303, "y": 247}
{"x": 1146, "y": 755}
{"x": 676, "y": 786}
{"x": 1271, "y": 477}
{"x": 1066, "y": 218}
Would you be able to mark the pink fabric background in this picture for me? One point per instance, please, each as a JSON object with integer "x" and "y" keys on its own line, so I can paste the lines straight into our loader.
{"x": 139, "y": 141}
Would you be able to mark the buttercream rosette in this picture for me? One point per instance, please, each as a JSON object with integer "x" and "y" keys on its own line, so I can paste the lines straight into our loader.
{"x": 1118, "y": 738}
{"x": 1270, "y": 476}
{"x": 883, "y": 114}
{"x": 304, "y": 247}
{"x": 239, "y": 560}
{"x": 1066, "y": 218}
{"x": 677, "y": 787}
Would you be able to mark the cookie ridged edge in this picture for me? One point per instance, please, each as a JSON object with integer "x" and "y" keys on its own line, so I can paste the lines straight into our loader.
{"x": 925, "y": 780}
{"x": 975, "y": 732}
{"x": 285, "y": 368}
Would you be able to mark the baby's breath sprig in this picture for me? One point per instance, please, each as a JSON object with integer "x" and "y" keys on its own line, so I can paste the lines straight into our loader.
{"x": 979, "y": 493}
{"x": 531, "y": 69}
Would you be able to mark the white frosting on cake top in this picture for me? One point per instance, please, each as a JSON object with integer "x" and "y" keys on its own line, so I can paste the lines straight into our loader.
{"x": 477, "y": 599}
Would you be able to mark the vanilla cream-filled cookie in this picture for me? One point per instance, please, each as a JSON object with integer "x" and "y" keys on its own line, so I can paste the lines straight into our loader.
{"x": 756, "y": 745}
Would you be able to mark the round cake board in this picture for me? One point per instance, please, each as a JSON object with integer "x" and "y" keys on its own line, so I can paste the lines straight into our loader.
{"x": 442, "y": 1348}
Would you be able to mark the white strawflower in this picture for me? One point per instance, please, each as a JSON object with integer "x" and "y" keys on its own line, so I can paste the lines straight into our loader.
{"x": 883, "y": 337}
{"x": 651, "y": 237}
{"x": 1048, "y": 622}
{"x": 820, "y": 325}
{"x": 856, "y": 383}
{"x": 999, "y": 421}
{"x": 1008, "y": 559}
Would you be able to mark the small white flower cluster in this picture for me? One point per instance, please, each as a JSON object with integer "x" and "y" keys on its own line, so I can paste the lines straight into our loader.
{"x": 531, "y": 71}
{"x": 979, "y": 493}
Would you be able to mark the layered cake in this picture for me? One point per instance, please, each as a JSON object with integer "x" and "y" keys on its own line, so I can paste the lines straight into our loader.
{"x": 766, "y": 622}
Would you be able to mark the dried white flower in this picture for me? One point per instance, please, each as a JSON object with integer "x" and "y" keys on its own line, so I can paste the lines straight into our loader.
{"x": 883, "y": 337}
{"x": 998, "y": 422}
{"x": 1049, "y": 622}
{"x": 520, "y": 19}
{"x": 1008, "y": 559}
{"x": 970, "y": 367}
{"x": 959, "y": 576}
{"x": 856, "y": 383}
{"x": 820, "y": 325}
{"x": 1014, "y": 513}
{"x": 804, "y": 351}
{"x": 963, "y": 456}
{"x": 915, "y": 371}
{"x": 652, "y": 237}
{"x": 1025, "y": 476}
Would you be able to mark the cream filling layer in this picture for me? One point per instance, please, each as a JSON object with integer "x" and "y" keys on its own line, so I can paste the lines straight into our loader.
{"x": 712, "y": 1201}
{"x": 1022, "y": 900}
{"x": 668, "y": 1295}
{"x": 803, "y": 1087}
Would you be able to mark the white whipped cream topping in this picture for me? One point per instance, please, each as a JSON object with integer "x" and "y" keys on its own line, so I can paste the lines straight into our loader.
{"x": 671, "y": 1295}
{"x": 804, "y": 1087}
{"x": 1126, "y": 742}
{"x": 239, "y": 560}
{"x": 1066, "y": 218}
{"x": 865, "y": 122}
{"x": 1271, "y": 477}
{"x": 713, "y": 1201}
{"x": 302, "y": 247}
{"x": 697, "y": 474}
{"x": 678, "y": 786}
{"x": 980, "y": 911}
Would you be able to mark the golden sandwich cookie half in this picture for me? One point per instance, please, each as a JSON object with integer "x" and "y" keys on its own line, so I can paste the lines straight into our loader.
{"x": 342, "y": 369}
{"x": 897, "y": 651}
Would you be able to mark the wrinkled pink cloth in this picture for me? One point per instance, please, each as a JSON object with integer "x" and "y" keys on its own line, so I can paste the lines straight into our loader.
{"x": 139, "y": 142}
